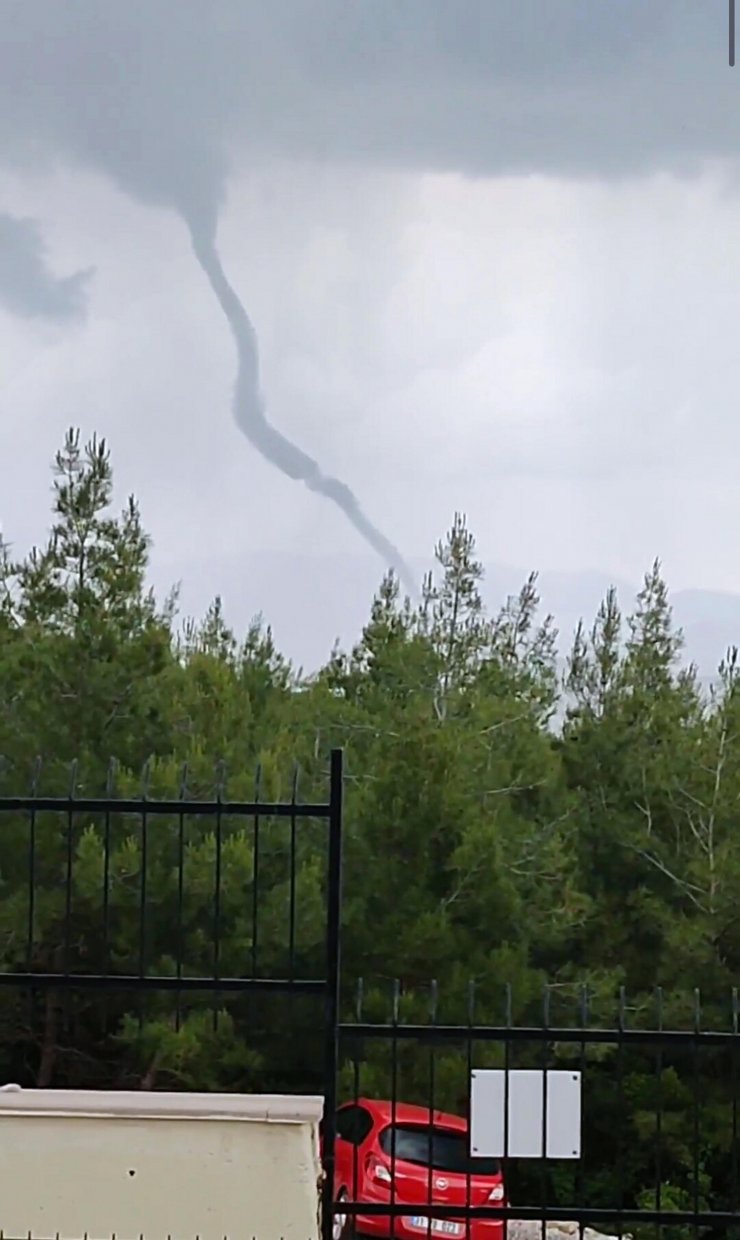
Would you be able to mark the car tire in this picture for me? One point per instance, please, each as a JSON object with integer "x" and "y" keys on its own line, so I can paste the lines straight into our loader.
{"x": 340, "y": 1229}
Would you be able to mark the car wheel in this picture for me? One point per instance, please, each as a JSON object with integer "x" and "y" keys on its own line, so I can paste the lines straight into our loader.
{"x": 339, "y": 1222}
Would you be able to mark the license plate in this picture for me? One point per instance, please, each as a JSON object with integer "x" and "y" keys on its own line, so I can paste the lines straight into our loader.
{"x": 438, "y": 1226}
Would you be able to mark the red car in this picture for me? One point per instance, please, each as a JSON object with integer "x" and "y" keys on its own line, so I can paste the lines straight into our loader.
{"x": 430, "y": 1165}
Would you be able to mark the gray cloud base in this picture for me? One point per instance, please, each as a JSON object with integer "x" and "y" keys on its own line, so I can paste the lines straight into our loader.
{"x": 157, "y": 94}
{"x": 162, "y": 96}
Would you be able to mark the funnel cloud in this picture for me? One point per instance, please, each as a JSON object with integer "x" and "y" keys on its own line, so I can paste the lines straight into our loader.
{"x": 251, "y": 419}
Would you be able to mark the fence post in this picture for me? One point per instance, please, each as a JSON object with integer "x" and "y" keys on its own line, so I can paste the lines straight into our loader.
{"x": 331, "y": 1006}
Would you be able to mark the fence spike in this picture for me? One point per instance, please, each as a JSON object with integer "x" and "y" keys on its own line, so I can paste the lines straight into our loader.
{"x": 258, "y": 781}
{"x": 145, "y": 778}
{"x": 36, "y": 774}
{"x": 735, "y": 1010}
{"x": 110, "y": 777}
{"x": 697, "y": 1010}
{"x": 294, "y": 784}
{"x": 73, "y": 766}
{"x": 183, "y": 790}
{"x": 508, "y": 1003}
{"x": 359, "y": 998}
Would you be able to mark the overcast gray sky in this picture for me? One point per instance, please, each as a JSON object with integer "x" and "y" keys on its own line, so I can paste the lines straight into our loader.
{"x": 490, "y": 249}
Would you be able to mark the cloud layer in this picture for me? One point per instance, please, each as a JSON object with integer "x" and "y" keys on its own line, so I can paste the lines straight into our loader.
{"x": 164, "y": 98}
{"x": 162, "y": 95}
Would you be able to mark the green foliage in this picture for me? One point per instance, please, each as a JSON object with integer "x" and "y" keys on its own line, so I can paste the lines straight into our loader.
{"x": 500, "y": 828}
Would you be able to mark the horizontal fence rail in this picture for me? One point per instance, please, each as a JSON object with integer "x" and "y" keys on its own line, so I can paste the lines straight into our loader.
{"x": 649, "y": 1115}
{"x": 152, "y": 808}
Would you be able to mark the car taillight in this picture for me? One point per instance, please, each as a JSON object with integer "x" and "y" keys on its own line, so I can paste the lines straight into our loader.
{"x": 496, "y": 1193}
{"x": 378, "y": 1171}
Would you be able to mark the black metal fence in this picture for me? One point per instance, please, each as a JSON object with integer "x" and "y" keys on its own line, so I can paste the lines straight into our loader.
{"x": 137, "y": 926}
{"x": 133, "y": 920}
{"x": 658, "y": 1116}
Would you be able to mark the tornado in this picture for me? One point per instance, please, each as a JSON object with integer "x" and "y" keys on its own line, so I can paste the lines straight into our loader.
{"x": 252, "y": 420}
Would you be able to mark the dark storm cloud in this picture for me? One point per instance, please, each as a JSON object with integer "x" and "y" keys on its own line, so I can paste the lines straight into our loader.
{"x": 159, "y": 92}
{"x": 27, "y": 287}
{"x": 162, "y": 94}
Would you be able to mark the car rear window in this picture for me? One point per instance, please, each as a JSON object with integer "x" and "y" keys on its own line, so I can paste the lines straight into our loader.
{"x": 449, "y": 1150}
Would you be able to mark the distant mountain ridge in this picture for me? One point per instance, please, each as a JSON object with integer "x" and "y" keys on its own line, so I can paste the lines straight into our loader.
{"x": 311, "y": 601}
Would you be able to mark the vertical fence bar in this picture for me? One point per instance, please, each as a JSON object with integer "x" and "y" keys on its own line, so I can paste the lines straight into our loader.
{"x": 144, "y": 861}
{"x": 508, "y": 1017}
{"x": 180, "y": 891}
{"x": 659, "y": 1111}
{"x": 432, "y": 1090}
{"x": 734, "y": 1195}
{"x": 69, "y": 865}
{"x": 31, "y": 935}
{"x": 469, "y": 1087}
{"x": 331, "y": 1001}
{"x": 66, "y": 996}
{"x": 545, "y": 1065}
{"x": 217, "y": 891}
{"x": 256, "y": 870}
{"x": 110, "y": 782}
{"x": 395, "y": 1015}
{"x": 696, "y": 1111}
{"x": 292, "y": 879}
{"x": 584, "y": 1018}
{"x": 109, "y": 788}
{"x": 32, "y": 868}
{"x": 621, "y": 1024}
{"x": 356, "y": 1095}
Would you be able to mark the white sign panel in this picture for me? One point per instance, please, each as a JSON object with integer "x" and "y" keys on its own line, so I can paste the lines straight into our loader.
{"x": 533, "y": 1098}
